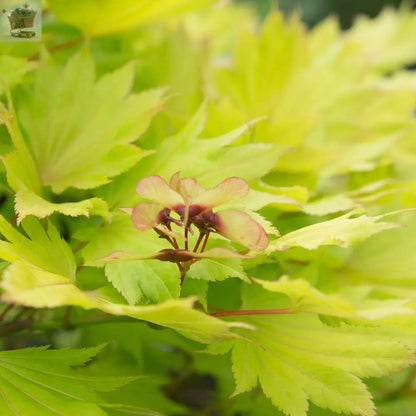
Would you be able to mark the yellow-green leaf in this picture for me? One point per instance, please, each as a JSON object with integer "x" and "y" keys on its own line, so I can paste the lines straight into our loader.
{"x": 342, "y": 231}
{"x": 27, "y": 285}
{"x": 100, "y": 17}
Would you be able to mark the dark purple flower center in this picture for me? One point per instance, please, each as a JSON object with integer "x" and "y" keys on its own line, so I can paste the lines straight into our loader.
{"x": 203, "y": 219}
{"x": 193, "y": 211}
{"x": 165, "y": 218}
{"x": 206, "y": 222}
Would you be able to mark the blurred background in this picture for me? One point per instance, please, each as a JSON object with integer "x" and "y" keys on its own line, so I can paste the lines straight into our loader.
{"x": 314, "y": 11}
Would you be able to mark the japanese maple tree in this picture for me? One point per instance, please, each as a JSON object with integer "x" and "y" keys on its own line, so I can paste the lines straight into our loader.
{"x": 205, "y": 214}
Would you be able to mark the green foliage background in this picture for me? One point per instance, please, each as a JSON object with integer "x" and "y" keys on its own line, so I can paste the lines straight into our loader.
{"x": 320, "y": 123}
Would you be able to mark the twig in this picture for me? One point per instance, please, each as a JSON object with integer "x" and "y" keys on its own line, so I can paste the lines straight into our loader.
{"x": 15, "y": 326}
{"x": 67, "y": 317}
{"x": 79, "y": 246}
{"x": 59, "y": 47}
{"x": 5, "y": 310}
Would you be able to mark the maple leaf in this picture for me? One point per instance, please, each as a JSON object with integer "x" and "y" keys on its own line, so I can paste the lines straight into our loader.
{"x": 297, "y": 358}
{"x": 36, "y": 381}
{"x": 80, "y": 136}
{"x": 343, "y": 231}
{"x": 112, "y": 16}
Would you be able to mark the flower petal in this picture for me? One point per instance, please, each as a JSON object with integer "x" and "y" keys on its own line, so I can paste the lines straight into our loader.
{"x": 226, "y": 191}
{"x": 145, "y": 215}
{"x": 190, "y": 189}
{"x": 241, "y": 228}
{"x": 174, "y": 181}
{"x": 156, "y": 189}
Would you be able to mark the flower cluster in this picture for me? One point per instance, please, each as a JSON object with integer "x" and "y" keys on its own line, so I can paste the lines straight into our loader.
{"x": 193, "y": 206}
{"x": 183, "y": 207}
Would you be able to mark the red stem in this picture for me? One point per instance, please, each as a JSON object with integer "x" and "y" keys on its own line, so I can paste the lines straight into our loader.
{"x": 186, "y": 238}
{"x": 198, "y": 242}
{"x": 183, "y": 274}
{"x": 173, "y": 242}
{"x": 79, "y": 246}
{"x": 205, "y": 242}
{"x": 59, "y": 47}
{"x": 253, "y": 312}
{"x": 5, "y": 310}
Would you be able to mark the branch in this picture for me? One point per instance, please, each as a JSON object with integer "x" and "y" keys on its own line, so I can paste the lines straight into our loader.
{"x": 59, "y": 47}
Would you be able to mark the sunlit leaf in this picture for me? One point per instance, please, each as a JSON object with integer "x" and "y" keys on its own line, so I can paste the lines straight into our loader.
{"x": 307, "y": 299}
{"x": 157, "y": 281}
{"x": 343, "y": 231}
{"x": 112, "y": 16}
{"x": 386, "y": 262}
{"x": 36, "y": 381}
{"x": 79, "y": 128}
{"x": 387, "y": 42}
{"x": 43, "y": 249}
{"x": 13, "y": 70}
{"x": 217, "y": 269}
{"x": 205, "y": 159}
{"x": 30, "y": 286}
{"x": 297, "y": 359}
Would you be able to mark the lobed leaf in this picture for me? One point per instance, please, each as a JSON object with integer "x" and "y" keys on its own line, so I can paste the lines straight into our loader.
{"x": 205, "y": 159}
{"x": 112, "y": 16}
{"x": 13, "y": 70}
{"x": 306, "y": 298}
{"x": 384, "y": 48}
{"x": 43, "y": 249}
{"x": 343, "y": 231}
{"x": 37, "y": 381}
{"x": 297, "y": 358}
{"x": 79, "y": 129}
{"x": 156, "y": 281}
{"x": 30, "y": 286}
{"x": 212, "y": 269}
{"x": 29, "y": 203}
{"x": 386, "y": 263}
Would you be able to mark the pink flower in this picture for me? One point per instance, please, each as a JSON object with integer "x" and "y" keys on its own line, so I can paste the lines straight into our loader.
{"x": 186, "y": 203}
{"x": 185, "y": 206}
